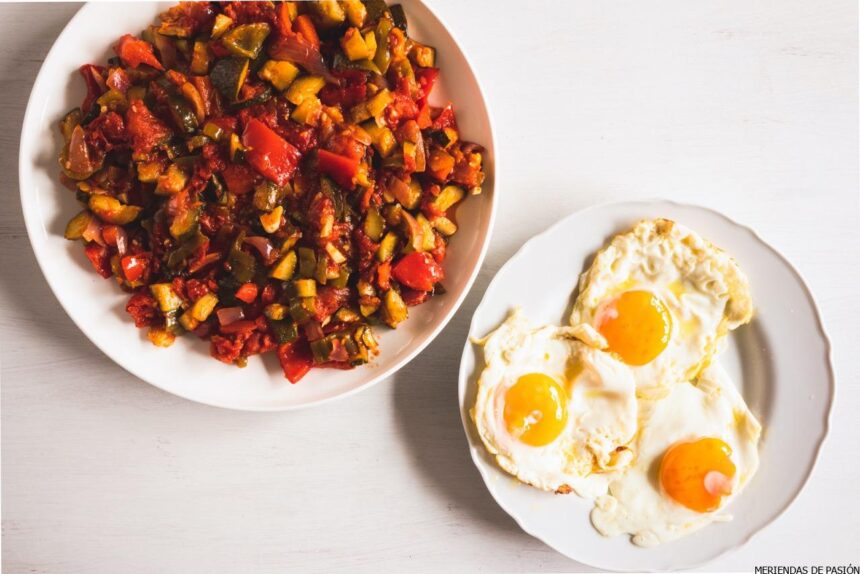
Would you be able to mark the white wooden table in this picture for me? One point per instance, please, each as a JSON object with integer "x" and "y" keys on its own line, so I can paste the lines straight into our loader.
{"x": 747, "y": 107}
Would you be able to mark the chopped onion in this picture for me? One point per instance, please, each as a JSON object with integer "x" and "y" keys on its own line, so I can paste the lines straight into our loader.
{"x": 296, "y": 50}
{"x": 338, "y": 353}
{"x": 93, "y": 231}
{"x": 121, "y": 240}
{"x": 313, "y": 330}
{"x": 229, "y": 315}
{"x": 262, "y": 245}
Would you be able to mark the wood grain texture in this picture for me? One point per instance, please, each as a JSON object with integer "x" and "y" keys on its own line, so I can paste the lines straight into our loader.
{"x": 747, "y": 107}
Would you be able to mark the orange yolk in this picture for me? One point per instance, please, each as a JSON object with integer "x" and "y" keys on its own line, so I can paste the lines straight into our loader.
{"x": 698, "y": 474}
{"x": 636, "y": 325}
{"x": 535, "y": 409}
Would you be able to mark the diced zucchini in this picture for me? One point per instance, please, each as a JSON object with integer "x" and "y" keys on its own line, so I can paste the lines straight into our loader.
{"x": 347, "y": 315}
{"x": 394, "y": 309}
{"x": 377, "y": 104}
{"x": 271, "y": 221}
{"x": 204, "y": 306}
{"x": 77, "y": 225}
{"x": 299, "y": 311}
{"x": 285, "y": 267}
{"x": 195, "y": 100}
{"x": 382, "y": 58}
{"x": 275, "y": 311}
{"x": 246, "y": 40}
{"x": 188, "y": 322}
{"x": 183, "y": 116}
{"x": 387, "y": 246}
{"x": 307, "y": 262}
{"x": 370, "y": 42}
{"x": 279, "y": 73}
{"x": 284, "y": 330}
{"x": 213, "y": 131}
{"x": 235, "y": 146}
{"x": 334, "y": 253}
{"x": 374, "y": 225}
{"x": 427, "y": 233}
{"x": 221, "y": 25}
{"x": 160, "y": 337}
{"x": 185, "y": 223}
{"x": 113, "y": 100}
{"x": 356, "y": 13}
{"x": 444, "y": 226}
{"x": 305, "y": 287}
{"x": 167, "y": 298}
{"x": 425, "y": 56}
{"x": 410, "y": 195}
{"x": 69, "y": 122}
{"x": 110, "y": 210}
{"x": 369, "y": 308}
{"x": 321, "y": 271}
{"x": 304, "y": 88}
{"x": 308, "y": 112}
{"x": 228, "y": 75}
{"x": 354, "y": 46}
{"x": 200, "y": 59}
{"x": 148, "y": 172}
{"x": 398, "y": 15}
{"x": 329, "y": 12}
{"x": 173, "y": 181}
{"x": 381, "y": 137}
{"x": 449, "y": 195}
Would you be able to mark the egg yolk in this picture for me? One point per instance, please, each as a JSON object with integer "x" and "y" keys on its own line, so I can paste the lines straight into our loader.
{"x": 535, "y": 409}
{"x": 636, "y": 325}
{"x": 698, "y": 474}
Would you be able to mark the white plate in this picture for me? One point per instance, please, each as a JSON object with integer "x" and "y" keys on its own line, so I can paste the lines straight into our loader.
{"x": 781, "y": 360}
{"x": 186, "y": 369}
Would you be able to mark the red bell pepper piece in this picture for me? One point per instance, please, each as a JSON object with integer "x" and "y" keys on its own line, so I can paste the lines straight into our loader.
{"x": 135, "y": 52}
{"x": 247, "y": 293}
{"x": 296, "y": 359}
{"x": 134, "y": 266}
{"x": 418, "y": 271}
{"x": 268, "y": 153}
{"x": 99, "y": 256}
{"x": 340, "y": 168}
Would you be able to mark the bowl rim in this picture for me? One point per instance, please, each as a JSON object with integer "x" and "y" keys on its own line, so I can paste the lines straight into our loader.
{"x": 28, "y": 207}
{"x": 463, "y": 376}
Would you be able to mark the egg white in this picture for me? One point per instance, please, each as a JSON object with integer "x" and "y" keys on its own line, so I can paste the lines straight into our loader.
{"x": 712, "y": 407}
{"x": 602, "y": 408}
{"x": 702, "y": 287}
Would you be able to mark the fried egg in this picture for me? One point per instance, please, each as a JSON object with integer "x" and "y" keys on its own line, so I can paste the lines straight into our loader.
{"x": 557, "y": 414}
{"x": 697, "y": 449}
{"x": 661, "y": 300}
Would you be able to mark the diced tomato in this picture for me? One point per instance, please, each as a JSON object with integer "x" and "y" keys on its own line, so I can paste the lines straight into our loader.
{"x": 135, "y": 52}
{"x": 196, "y": 289}
{"x": 271, "y": 155}
{"x": 418, "y": 270}
{"x": 225, "y": 349}
{"x": 340, "y": 168}
{"x": 247, "y": 293}
{"x": 94, "y": 79}
{"x": 239, "y": 178}
{"x": 146, "y": 130}
{"x": 305, "y": 26}
{"x": 426, "y": 80}
{"x": 296, "y": 359}
{"x": 118, "y": 80}
{"x": 99, "y": 256}
{"x": 329, "y": 300}
{"x": 243, "y": 326}
{"x": 134, "y": 267}
{"x": 445, "y": 118}
{"x": 413, "y": 297}
{"x": 143, "y": 309}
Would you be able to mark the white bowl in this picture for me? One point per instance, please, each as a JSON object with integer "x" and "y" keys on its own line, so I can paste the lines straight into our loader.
{"x": 186, "y": 369}
{"x": 781, "y": 362}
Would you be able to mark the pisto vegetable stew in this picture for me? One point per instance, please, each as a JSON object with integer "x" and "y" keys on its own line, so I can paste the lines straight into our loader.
{"x": 269, "y": 177}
